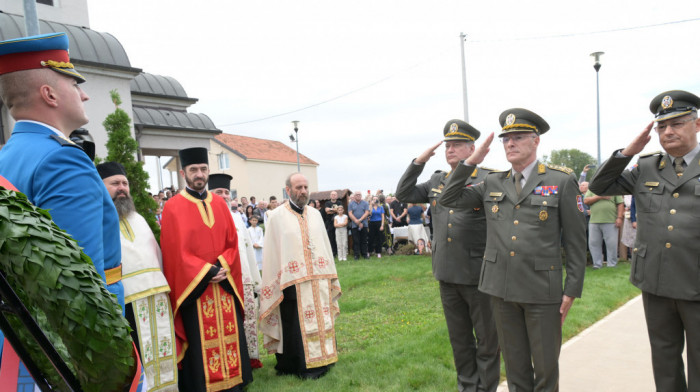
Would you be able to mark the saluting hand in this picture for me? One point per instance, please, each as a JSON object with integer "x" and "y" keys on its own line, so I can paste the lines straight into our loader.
{"x": 425, "y": 156}
{"x": 480, "y": 153}
{"x": 638, "y": 142}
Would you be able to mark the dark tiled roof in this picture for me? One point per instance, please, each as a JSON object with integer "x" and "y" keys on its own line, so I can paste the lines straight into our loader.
{"x": 171, "y": 119}
{"x": 165, "y": 86}
{"x": 86, "y": 45}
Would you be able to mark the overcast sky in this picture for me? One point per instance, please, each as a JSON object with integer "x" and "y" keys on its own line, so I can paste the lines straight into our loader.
{"x": 374, "y": 82}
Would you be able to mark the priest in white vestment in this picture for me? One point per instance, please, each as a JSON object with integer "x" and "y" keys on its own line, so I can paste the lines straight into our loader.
{"x": 146, "y": 290}
{"x": 299, "y": 297}
{"x": 220, "y": 184}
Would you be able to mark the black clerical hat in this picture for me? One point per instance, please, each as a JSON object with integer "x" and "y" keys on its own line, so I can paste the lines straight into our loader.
{"x": 191, "y": 156}
{"x": 220, "y": 180}
{"x": 109, "y": 169}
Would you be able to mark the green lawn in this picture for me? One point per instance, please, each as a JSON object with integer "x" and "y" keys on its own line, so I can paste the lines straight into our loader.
{"x": 391, "y": 331}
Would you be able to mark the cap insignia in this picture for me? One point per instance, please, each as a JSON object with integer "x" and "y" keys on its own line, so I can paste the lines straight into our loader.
{"x": 510, "y": 120}
{"x": 667, "y": 102}
{"x": 454, "y": 127}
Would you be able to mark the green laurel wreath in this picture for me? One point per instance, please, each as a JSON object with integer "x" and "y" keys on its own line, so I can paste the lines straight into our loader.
{"x": 59, "y": 285}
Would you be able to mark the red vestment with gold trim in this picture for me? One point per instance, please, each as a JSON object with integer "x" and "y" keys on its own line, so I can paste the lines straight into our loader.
{"x": 196, "y": 235}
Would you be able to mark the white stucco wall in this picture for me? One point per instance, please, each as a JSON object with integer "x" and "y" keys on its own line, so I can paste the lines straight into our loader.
{"x": 74, "y": 12}
{"x": 99, "y": 106}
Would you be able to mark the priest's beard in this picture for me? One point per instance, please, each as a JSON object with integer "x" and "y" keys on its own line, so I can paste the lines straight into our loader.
{"x": 124, "y": 206}
{"x": 197, "y": 184}
{"x": 299, "y": 199}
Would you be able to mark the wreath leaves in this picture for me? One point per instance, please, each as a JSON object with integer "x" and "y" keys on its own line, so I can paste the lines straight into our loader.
{"x": 61, "y": 288}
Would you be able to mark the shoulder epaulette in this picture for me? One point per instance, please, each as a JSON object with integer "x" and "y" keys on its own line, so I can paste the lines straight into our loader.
{"x": 650, "y": 154}
{"x": 488, "y": 169}
{"x": 497, "y": 171}
{"x": 560, "y": 168}
{"x": 64, "y": 142}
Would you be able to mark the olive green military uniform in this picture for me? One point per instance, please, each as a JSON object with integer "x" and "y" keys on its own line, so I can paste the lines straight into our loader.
{"x": 522, "y": 269}
{"x": 665, "y": 259}
{"x": 459, "y": 238}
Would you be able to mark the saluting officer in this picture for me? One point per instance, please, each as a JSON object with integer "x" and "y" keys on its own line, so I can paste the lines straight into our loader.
{"x": 458, "y": 248}
{"x": 529, "y": 210}
{"x": 666, "y": 187}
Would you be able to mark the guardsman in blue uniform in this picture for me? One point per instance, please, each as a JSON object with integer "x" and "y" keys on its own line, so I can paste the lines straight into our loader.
{"x": 40, "y": 88}
{"x": 529, "y": 210}
{"x": 666, "y": 189}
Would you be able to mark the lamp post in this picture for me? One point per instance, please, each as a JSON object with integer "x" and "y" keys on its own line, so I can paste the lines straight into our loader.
{"x": 462, "y": 39}
{"x": 596, "y": 66}
{"x": 295, "y": 138}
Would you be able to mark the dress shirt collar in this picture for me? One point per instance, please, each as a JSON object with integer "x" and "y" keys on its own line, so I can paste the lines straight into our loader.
{"x": 689, "y": 156}
{"x": 56, "y": 131}
{"x": 527, "y": 171}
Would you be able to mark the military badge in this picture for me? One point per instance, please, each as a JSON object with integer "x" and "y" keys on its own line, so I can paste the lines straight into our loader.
{"x": 667, "y": 102}
{"x": 579, "y": 202}
{"x": 494, "y": 209}
{"x": 454, "y": 127}
{"x": 510, "y": 120}
{"x": 540, "y": 168}
{"x": 662, "y": 164}
{"x": 543, "y": 215}
{"x": 546, "y": 190}
{"x": 434, "y": 203}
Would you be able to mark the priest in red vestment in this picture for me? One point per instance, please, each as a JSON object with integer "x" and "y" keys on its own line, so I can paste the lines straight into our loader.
{"x": 202, "y": 266}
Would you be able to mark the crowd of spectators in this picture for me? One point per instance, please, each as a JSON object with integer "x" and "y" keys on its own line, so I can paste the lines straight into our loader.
{"x": 369, "y": 221}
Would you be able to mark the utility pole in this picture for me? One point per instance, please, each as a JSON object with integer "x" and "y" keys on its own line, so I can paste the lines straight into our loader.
{"x": 31, "y": 20}
{"x": 596, "y": 66}
{"x": 462, "y": 40}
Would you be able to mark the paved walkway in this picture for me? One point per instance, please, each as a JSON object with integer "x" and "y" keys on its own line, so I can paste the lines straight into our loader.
{"x": 612, "y": 355}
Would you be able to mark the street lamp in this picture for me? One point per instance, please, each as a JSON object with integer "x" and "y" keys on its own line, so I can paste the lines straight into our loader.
{"x": 295, "y": 138}
{"x": 462, "y": 39}
{"x": 596, "y": 66}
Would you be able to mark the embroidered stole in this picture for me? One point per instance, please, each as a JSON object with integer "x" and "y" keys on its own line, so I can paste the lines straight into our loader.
{"x": 154, "y": 326}
{"x": 218, "y": 329}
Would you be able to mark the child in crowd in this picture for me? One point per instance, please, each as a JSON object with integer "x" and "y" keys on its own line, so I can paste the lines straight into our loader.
{"x": 257, "y": 236}
{"x": 340, "y": 222}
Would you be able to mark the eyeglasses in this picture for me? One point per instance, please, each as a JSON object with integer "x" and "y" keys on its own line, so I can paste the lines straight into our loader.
{"x": 676, "y": 125}
{"x": 515, "y": 138}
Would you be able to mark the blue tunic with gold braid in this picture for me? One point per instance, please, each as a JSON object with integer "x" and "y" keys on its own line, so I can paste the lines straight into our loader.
{"x": 57, "y": 175}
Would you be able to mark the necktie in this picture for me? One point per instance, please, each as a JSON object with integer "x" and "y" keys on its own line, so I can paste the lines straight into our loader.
{"x": 678, "y": 166}
{"x": 518, "y": 186}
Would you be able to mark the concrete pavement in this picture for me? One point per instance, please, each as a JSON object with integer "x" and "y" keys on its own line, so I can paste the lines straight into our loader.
{"x": 611, "y": 355}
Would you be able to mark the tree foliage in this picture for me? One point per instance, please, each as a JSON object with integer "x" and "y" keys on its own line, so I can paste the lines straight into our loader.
{"x": 122, "y": 148}
{"x": 573, "y": 159}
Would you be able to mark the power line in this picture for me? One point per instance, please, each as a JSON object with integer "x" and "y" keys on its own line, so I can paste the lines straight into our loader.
{"x": 330, "y": 99}
{"x": 589, "y": 33}
{"x": 475, "y": 41}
